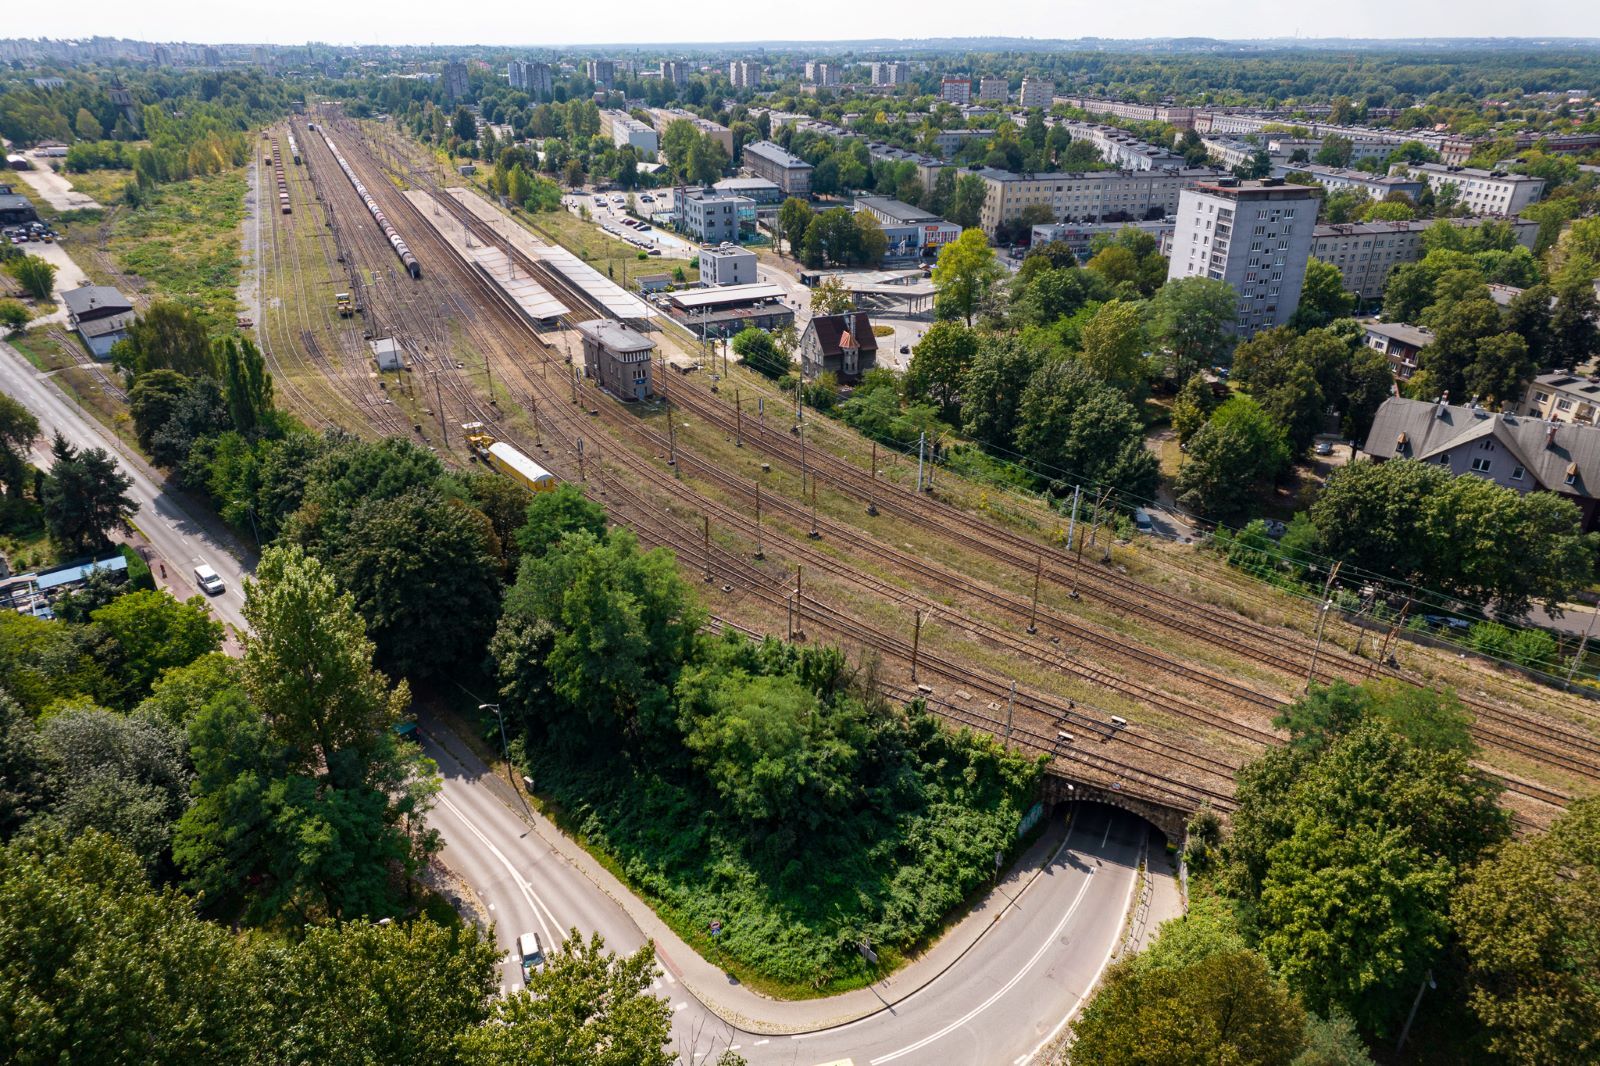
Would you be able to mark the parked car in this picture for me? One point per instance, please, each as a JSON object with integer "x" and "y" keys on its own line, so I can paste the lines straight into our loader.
{"x": 1143, "y": 522}
{"x": 1323, "y": 448}
{"x": 647, "y": 199}
{"x": 1444, "y": 621}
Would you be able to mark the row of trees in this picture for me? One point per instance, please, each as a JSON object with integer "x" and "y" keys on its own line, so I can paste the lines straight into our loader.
{"x": 834, "y": 237}
{"x": 1366, "y": 859}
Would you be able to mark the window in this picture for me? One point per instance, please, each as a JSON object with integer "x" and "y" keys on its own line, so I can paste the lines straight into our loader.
{"x": 1563, "y": 405}
{"x": 1481, "y": 466}
{"x": 1572, "y": 478}
{"x": 1487, "y": 446}
{"x": 1516, "y": 473}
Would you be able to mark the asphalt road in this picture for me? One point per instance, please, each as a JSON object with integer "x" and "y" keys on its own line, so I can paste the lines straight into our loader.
{"x": 999, "y": 1004}
{"x": 182, "y": 536}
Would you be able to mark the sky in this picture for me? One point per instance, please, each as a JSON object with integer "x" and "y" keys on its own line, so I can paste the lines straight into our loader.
{"x": 564, "y": 22}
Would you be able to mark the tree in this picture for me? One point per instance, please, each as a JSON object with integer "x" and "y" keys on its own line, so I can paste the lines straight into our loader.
{"x": 425, "y": 574}
{"x": 793, "y": 219}
{"x": 1574, "y": 337}
{"x": 87, "y": 126}
{"x": 27, "y": 768}
{"x": 1074, "y": 429}
{"x": 1113, "y": 348}
{"x": 990, "y": 398}
{"x": 1528, "y": 316}
{"x": 1193, "y": 406}
{"x": 1322, "y": 297}
{"x": 872, "y": 244}
{"x": 939, "y": 362}
{"x": 1193, "y": 319}
{"x": 1229, "y": 458}
{"x": 966, "y": 201}
{"x": 551, "y": 516}
{"x": 200, "y": 413}
{"x": 156, "y": 633}
{"x": 1333, "y": 1042}
{"x": 35, "y": 274}
{"x": 830, "y": 297}
{"x": 963, "y": 274}
{"x": 1368, "y": 383}
{"x": 1226, "y": 1008}
{"x": 152, "y": 401}
{"x": 463, "y": 125}
{"x": 757, "y": 350}
{"x": 85, "y": 497}
{"x": 168, "y": 335}
{"x": 1525, "y": 918}
{"x": 586, "y": 1007}
{"x": 1336, "y": 151}
{"x": 14, "y": 315}
{"x": 18, "y": 430}
{"x": 1389, "y": 211}
{"x": 123, "y": 775}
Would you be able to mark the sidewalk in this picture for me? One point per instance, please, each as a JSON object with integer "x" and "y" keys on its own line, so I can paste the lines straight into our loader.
{"x": 722, "y": 994}
{"x": 1161, "y": 898}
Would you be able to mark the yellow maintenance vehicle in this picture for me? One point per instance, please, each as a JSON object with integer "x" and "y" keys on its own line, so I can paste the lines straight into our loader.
{"x": 508, "y": 460}
{"x": 347, "y": 306}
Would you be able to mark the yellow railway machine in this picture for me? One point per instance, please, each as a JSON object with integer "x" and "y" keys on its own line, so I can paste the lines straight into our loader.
{"x": 508, "y": 460}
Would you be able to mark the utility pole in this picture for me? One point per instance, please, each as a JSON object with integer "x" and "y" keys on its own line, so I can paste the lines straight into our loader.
{"x": 438, "y": 394}
{"x": 1383, "y": 652}
{"x": 1038, "y": 572}
{"x": 533, "y": 408}
{"x": 706, "y": 526}
{"x": 916, "y": 642}
{"x": 672, "y": 443}
{"x": 759, "y": 553}
{"x": 872, "y": 493}
{"x": 922, "y": 439}
{"x": 504, "y": 747}
{"x": 1316, "y": 649}
{"x": 738, "y": 421}
{"x": 1011, "y": 702}
{"x": 814, "y": 534}
{"x": 1072, "y": 523}
{"x": 799, "y": 630}
{"x": 582, "y": 475}
{"x": 1582, "y": 646}
{"x": 1427, "y": 983}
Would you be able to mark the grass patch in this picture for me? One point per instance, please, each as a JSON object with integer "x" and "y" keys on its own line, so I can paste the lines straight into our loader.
{"x": 183, "y": 243}
{"x": 104, "y": 185}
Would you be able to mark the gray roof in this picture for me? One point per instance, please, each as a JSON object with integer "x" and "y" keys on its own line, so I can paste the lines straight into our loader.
{"x": 1549, "y": 451}
{"x": 896, "y": 210}
{"x": 1404, "y": 332}
{"x": 770, "y": 151}
{"x": 614, "y": 336}
{"x": 95, "y": 298}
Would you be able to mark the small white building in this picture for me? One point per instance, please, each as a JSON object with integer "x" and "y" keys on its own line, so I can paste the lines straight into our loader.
{"x": 727, "y": 264}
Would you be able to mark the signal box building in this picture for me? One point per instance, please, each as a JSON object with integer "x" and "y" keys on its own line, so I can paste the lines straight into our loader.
{"x": 618, "y": 357}
{"x": 843, "y": 345}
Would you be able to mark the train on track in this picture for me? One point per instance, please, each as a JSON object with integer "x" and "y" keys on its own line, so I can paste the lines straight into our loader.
{"x": 508, "y": 460}
{"x": 294, "y": 148}
{"x": 397, "y": 242}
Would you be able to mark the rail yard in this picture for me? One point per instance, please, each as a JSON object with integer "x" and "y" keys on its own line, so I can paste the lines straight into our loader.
{"x": 1129, "y": 668}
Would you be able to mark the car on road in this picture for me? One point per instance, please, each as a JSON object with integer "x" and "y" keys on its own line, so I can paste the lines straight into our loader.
{"x": 1323, "y": 448}
{"x": 1143, "y": 522}
{"x": 531, "y": 952}
{"x": 209, "y": 580}
{"x": 1444, "y": 621}
{"x": 619, "y": 201}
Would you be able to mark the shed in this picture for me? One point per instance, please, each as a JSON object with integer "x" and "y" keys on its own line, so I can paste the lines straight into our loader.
{"x": 100, "y": 314}
{"x": 653, "y": 282}
{"x": 388, "y": 353}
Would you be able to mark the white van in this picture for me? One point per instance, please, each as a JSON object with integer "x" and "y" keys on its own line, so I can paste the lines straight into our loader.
{"x": 210, "y": 581}
{"x": 531, "y": 953}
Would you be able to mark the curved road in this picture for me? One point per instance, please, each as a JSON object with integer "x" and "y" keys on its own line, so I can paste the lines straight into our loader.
{"x": 183, "y": 535}
{"x": 1004, "y": 1000}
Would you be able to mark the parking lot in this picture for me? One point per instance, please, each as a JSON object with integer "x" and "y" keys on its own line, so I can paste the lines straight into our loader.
{"x": 610, "y": 209}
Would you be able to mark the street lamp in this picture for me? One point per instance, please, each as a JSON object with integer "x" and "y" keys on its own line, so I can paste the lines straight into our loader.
{"x": 504, "y": 747}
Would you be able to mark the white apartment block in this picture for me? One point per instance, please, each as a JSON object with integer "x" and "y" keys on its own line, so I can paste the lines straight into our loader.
{"x": 1254, "y": 235}
{"x": 1365, "y": 252}
{"x": 1340, "y": 179}
{"x": 662, "y": 117}
{"x": 744, "y": 74}
{"x": 991, "y": 88}
{"x": 1036, "y": 92}
{"x": 1095, "y": 196}
{"x": 675, "y": 71}
{"x": 1483, "y": 192}
{"x": 892, "y": 72}
{"x": 623, "y": 129}
{"x": 1121, "y": 148}
{"x": 603, "y": 72}
{"x": 956, "y": 91}
{"x": 1181, "y": 117}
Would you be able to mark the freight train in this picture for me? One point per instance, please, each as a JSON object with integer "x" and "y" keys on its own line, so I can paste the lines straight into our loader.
{"x": 413, "y": 267}
{"x": 508, "y": 460}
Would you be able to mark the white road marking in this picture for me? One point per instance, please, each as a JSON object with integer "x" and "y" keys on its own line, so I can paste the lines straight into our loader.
{"x": 758, "y": 1043}
{"x": 1045, "y": 946}
{"x": 678, "y": 1006}
{"x": 522, "y": 886}
{"x": 1133, "y": 881}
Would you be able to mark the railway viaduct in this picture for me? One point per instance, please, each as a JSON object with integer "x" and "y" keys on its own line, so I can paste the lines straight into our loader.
{"x": 1172, "y": 821}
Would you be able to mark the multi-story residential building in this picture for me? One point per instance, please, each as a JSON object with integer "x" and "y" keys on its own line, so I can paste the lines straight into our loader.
{"x": 662, "y": 117}
{"x": 535, "y": 79}
{"x": 1121, "y": 148}
{"x": 1563, "y": 397}
{"x": 674, "y": 72}
{"x": 992, "y": 88}
{"x": 928, "y": 166}
{"x": 1079, "y": 236}
{"x": 603, "y": 72}
{"x": 1400, "y": 342}
{"x": 623, "y": 129}
{"x": 743, "y": 74}
{"x": 822, "y": 72}
{"x": 1181, "y": 117}
{"x": 890, "y": 72}
{"x": 1518, "y": 452}
{"x": 913, "y": 233}
{"x": 1365, "y": 252}
{"x": 956, "y": 90}
{"x": 789, "y": 172}
{"x": 711, "y": 216}
{"x": 456, "y": 87}
{"x": 1483, "y": 192}
{"x": 1256, "y": 236}
{"x": 1036, "y": 92}
{"x": 949, "y": 142}
{"x": 1339, "y": 179}
{"x": 1095, "y": 196}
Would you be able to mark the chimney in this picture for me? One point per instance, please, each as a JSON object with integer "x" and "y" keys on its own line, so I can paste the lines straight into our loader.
{"x": 1550, "y": 435}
